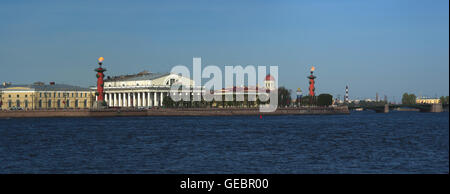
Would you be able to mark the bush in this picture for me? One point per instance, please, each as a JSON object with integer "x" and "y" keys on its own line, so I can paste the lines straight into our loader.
{"x": 325, "y": 100}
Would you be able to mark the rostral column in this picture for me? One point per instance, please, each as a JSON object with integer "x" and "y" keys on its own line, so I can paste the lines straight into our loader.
{"x": 100, "y": 76}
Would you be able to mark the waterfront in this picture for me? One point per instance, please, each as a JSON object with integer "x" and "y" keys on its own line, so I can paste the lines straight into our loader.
{"x": 173, "y": 112}
{"x": 362, "y": 142}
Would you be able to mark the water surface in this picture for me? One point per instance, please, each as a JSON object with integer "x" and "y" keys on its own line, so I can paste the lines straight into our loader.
{"x": 362, "y": 142}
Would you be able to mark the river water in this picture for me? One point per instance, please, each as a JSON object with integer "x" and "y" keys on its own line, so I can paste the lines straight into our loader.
{"x": 362, "y": 142}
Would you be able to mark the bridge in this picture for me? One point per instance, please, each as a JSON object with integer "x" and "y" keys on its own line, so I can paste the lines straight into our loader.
{"x": 385, "y": 108}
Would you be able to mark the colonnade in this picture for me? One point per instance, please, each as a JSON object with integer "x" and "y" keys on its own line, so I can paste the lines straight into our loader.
{"x": 135, "y": 99}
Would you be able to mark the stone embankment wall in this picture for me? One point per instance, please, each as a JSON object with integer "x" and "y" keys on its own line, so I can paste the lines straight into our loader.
{"x": 173, "y": 112}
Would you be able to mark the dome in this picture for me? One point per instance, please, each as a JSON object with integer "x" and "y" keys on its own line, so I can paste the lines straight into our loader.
{"x": 269, "y": 78}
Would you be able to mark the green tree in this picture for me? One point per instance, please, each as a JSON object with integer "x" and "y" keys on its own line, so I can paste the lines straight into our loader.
{"x": 306, "y": 101}
{"x": 444, "y": 99}
{"x": 284, "y": 96}
{"x": 412, "y": 99}
{"x": 405, "y": 98}
{"x": 168, "y": 102}
{"x": 324, "y": 100}
{"x": 408, "y": 98}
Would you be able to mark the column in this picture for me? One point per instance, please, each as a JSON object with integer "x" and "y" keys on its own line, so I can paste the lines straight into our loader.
{"x": 154, "y": 99}
{"x": 144, "y": 99}
{"x": 109, "y": 99}
{"x": 134, "y": 99}
{"x": 138, "y": 99}
{"x": 124, "y": 100}
{"x": 120, "y": 99}
{"x": 129, "y": 100}
{"x": 116, "y": 99}
{"x": 113, "y": 99}
{"x": 149, "y": 99}
{"x": 124, "y": 103}
{"x": 161, "y": 99}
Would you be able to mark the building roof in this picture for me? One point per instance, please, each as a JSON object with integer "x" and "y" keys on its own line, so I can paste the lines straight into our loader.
{"x": 145, "y": 75}
{"x": 43, "y": 87}
{"x": 269, "y": 78}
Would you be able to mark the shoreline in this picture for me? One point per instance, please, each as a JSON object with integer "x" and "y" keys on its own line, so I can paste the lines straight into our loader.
{"x": 174, "y": 112}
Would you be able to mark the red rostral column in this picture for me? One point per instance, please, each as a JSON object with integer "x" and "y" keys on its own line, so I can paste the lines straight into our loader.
{"x": 100, "y": 77}
{"x": 311, "y": 83}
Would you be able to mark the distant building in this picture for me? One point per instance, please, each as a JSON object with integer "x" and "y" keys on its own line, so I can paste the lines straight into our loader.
{"x": 235, "y": 91}
{"x": 269, "y": 82}
{"x": 369, "y": 100}
{"x": 42, "y": 96}
{"x": 425, "y": 100}
{"x": 246, "y": 91}
{"x": 144, "y": 89}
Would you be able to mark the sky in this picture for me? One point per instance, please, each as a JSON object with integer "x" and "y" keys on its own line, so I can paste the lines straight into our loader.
{"x": 384, "y": 46}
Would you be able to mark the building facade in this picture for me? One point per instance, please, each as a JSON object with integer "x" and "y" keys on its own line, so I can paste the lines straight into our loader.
{"x": 150, "y": 89}
{"x": 143, "y": 89}
{"x": 250, "y": 94}
{"x": 428, "y": 101}
{"x": 41, "y": 96}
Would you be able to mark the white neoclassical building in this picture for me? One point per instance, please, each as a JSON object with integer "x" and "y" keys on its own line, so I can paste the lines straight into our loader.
{"x": 141, "y": 90}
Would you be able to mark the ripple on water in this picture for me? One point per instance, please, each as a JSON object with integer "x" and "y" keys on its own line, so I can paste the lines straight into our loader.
{"x": 398, "y": 142}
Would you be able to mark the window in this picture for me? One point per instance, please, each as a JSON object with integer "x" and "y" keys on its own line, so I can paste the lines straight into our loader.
{"x": 76, "y": 103}
{"x": 59, "y": 95}
{"x": 40, "y": 103}
{"x": 68, "y": 103}
{"x": 18, "y": 96}
{"x": 40, "y": 95}
{"x": 76, "y": 95}
{"x": 171, "y": 82}
{"x": 26, "y": 96}
{"x": 18, "y": 103}
{"x": 85, "y": 103}
{"x": 9, "y": 103}
{"x": 26, "y": 103}
{"x": 49, "y": 104}
{"x": 9, "y": 96}
{"x": 58, "y": 103}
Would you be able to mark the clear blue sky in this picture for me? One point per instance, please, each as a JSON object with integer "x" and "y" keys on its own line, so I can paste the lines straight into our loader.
{"x": 384, "y": 46}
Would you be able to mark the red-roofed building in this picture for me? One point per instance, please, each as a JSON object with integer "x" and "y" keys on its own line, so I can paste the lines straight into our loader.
{"x": 269, "y": 82}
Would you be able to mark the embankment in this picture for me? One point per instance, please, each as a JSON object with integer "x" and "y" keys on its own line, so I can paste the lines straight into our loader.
{"x": 174, "y": 112}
